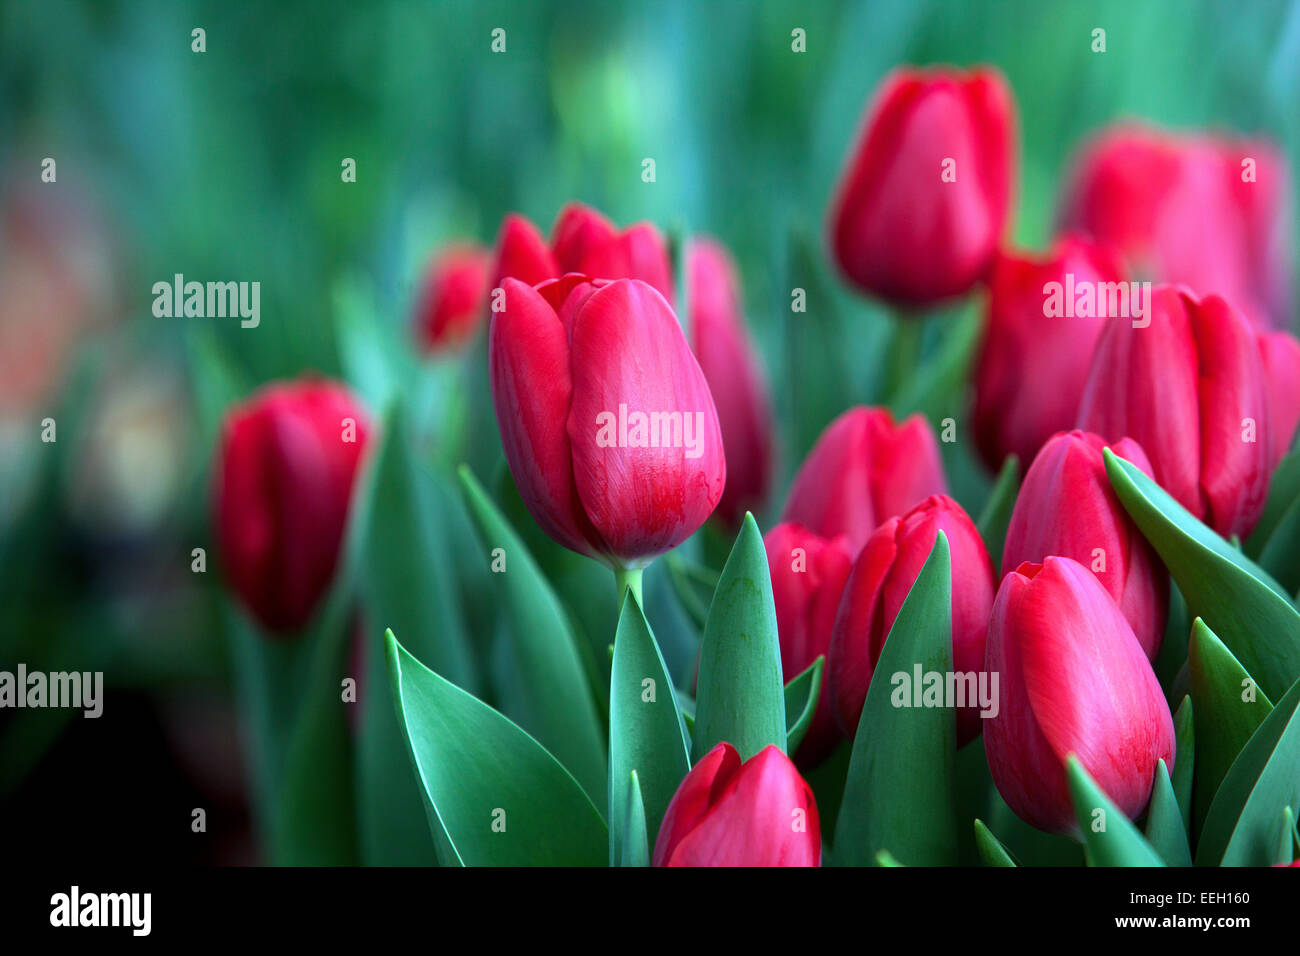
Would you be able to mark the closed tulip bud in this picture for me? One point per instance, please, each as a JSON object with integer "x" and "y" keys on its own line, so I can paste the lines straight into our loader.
{"x": 1067, "y": 507}
{"x": 808, "y": 575}
{"x": 882, "y": 576}
{"x": 1073, "y": 680}
{"x": 605, "y": 417}
{"x": 286, "y": 465}
{"x": 585, "y": 242}
{"x": 728, "y": 813}
{"x": 1188, "y": 387}
{"x": 863, "y": 470}
{"x": 1281, "y": 356}
{"x": 923, "y": 203}
{"x": 1209, "y": 213}
{"x": 454, "y": 298}
{"x": 730, "y": 365}
{"x": 1034, "y": 361}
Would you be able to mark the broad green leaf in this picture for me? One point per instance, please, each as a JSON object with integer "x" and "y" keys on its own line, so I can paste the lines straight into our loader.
{"x": 1227, "y": 708}
{"x": 498, "y": 796}
{"x": 992, "y": 852}
{"x": 556, "y": 702}
{"x": 693, "y": 584}
{"x": 899, "y": 791}
{"x": 1281, "y": 556}
{"x": 1110, "y": 838}
{"x": 1185, "y": 758}
{"x": 1286, "y": 839}
{"x": 885, "y": 858}
{"x": 996, "y": 516}
{"x": 1283, "y": 495}
{"x": 646, "y": 734}
{"x": 636, "y": 844}
{"x": 801, "y": 702}
{"x": 1165, "y": 829}
{"x": 739, "y": 695}
{"x": 1240, "y": 829}
{"x": 1247, "y": 609}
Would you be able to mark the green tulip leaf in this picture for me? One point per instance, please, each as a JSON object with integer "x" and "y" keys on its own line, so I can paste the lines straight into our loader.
{"x": 1283, "y": 497}
{"x": 1227, "y": 708}
{"x": 801, "y": 702}
{"x": 991, "y": 850}
{"x": 739, "y": 694}
{"x": 1241, "y": 827}
{"x": 493, "y": 794}
{"x": 885, "y": 858}
{"x": 1110, "y": 838}
{"x": 1247, "y": 609}
{"x": 1165, "y": 829}
{"x": 1185, "y": 758}
{"x": 1281, "y": 556}
{"x": 636, "y": 845}
{"x": 996, "y": 516}
{"x": 555, "y": 700}
{"x": 899, "y": 790}
{"x": 647, "y": 738}
{"x": 1287, "y": 841}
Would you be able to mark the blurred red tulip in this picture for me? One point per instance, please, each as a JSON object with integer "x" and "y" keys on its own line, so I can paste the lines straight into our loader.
{"x": 1209, "y": 213}
{"x": 882, "y": 576}
{"x": 454, "y": 299}
{"x": 863, "y": 470}
{"x": 606, "y": 419}
{"x": 923, "y": 202}
{"x": 1033, "y": 366}
{"x": 1188, "y": 387}
{"x": 1281, "y": 356}
{"x": 729, "y": 813}
{"x": 1067, "y": 507}
{"x": 286, "y": 466}
{"x": 1074, "y": 680}
{"x": 808, "y": 575}
{"x": 583, "y": 241}
{"x": 730, "y": 365}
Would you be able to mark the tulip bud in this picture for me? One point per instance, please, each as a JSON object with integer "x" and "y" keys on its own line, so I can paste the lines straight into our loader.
{"x": 863, "y": 470}
{"x": 1205, "y": 212}
{"x": 286, "y": 465}
{"x": 1074, "y": 680}
{"x": 1034, "y": 361}
{"x": 1281, "y": 356}
{"x": 922, "y": 205}
{"x": 1187, "y": 386}
{"x": 586, "y": 242}
{"x": 454, "y": 297}
{"x": 879, "y": 582}
{"x": 606, "y": 419}
{"x": 730, "y": 365}
{"x": 808, "y": 575}
{"x": 1067, "y": 507}
{"x": 728, "y": 813}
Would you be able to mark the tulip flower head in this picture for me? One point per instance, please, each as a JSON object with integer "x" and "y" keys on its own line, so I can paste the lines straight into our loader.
{"x": 454, "y": 298}
{"x": 1074, "y": 680}
{"x": 286, "y": 466}
{"x": 605, "y": 417}
{"x": 728, "y": 813}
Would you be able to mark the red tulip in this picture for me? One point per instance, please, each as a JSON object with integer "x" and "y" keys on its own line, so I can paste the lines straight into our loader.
{"x": 1280, "y": 353}
{"x": 1034, "y": 360}
{"x": 1067, "y": 507}
{"x": 454, "y": 298}
{"x": 882, "y": 576}
{"x": 1188, "y": 388}
{"x": 583, "y": 241}
{"x": 730, "y": 365}
{"x": 862, "y": 470}
{"x": 285, "y": 468}
{"x": 923, "y": 203}
{"x": 1074, "y": 680}
{"x": 1185, "y": 211}
{"x": 605, "y": 417}
{"x": 808, "y": 575}
{"x": 728, "y": 813}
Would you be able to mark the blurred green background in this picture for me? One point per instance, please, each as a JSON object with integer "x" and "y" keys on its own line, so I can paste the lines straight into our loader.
{"x": 225, "y": 165}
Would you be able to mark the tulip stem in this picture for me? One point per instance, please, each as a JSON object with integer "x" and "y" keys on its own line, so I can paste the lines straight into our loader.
{"x": 904, "y": 352}
{"x": 626, "y": 579}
